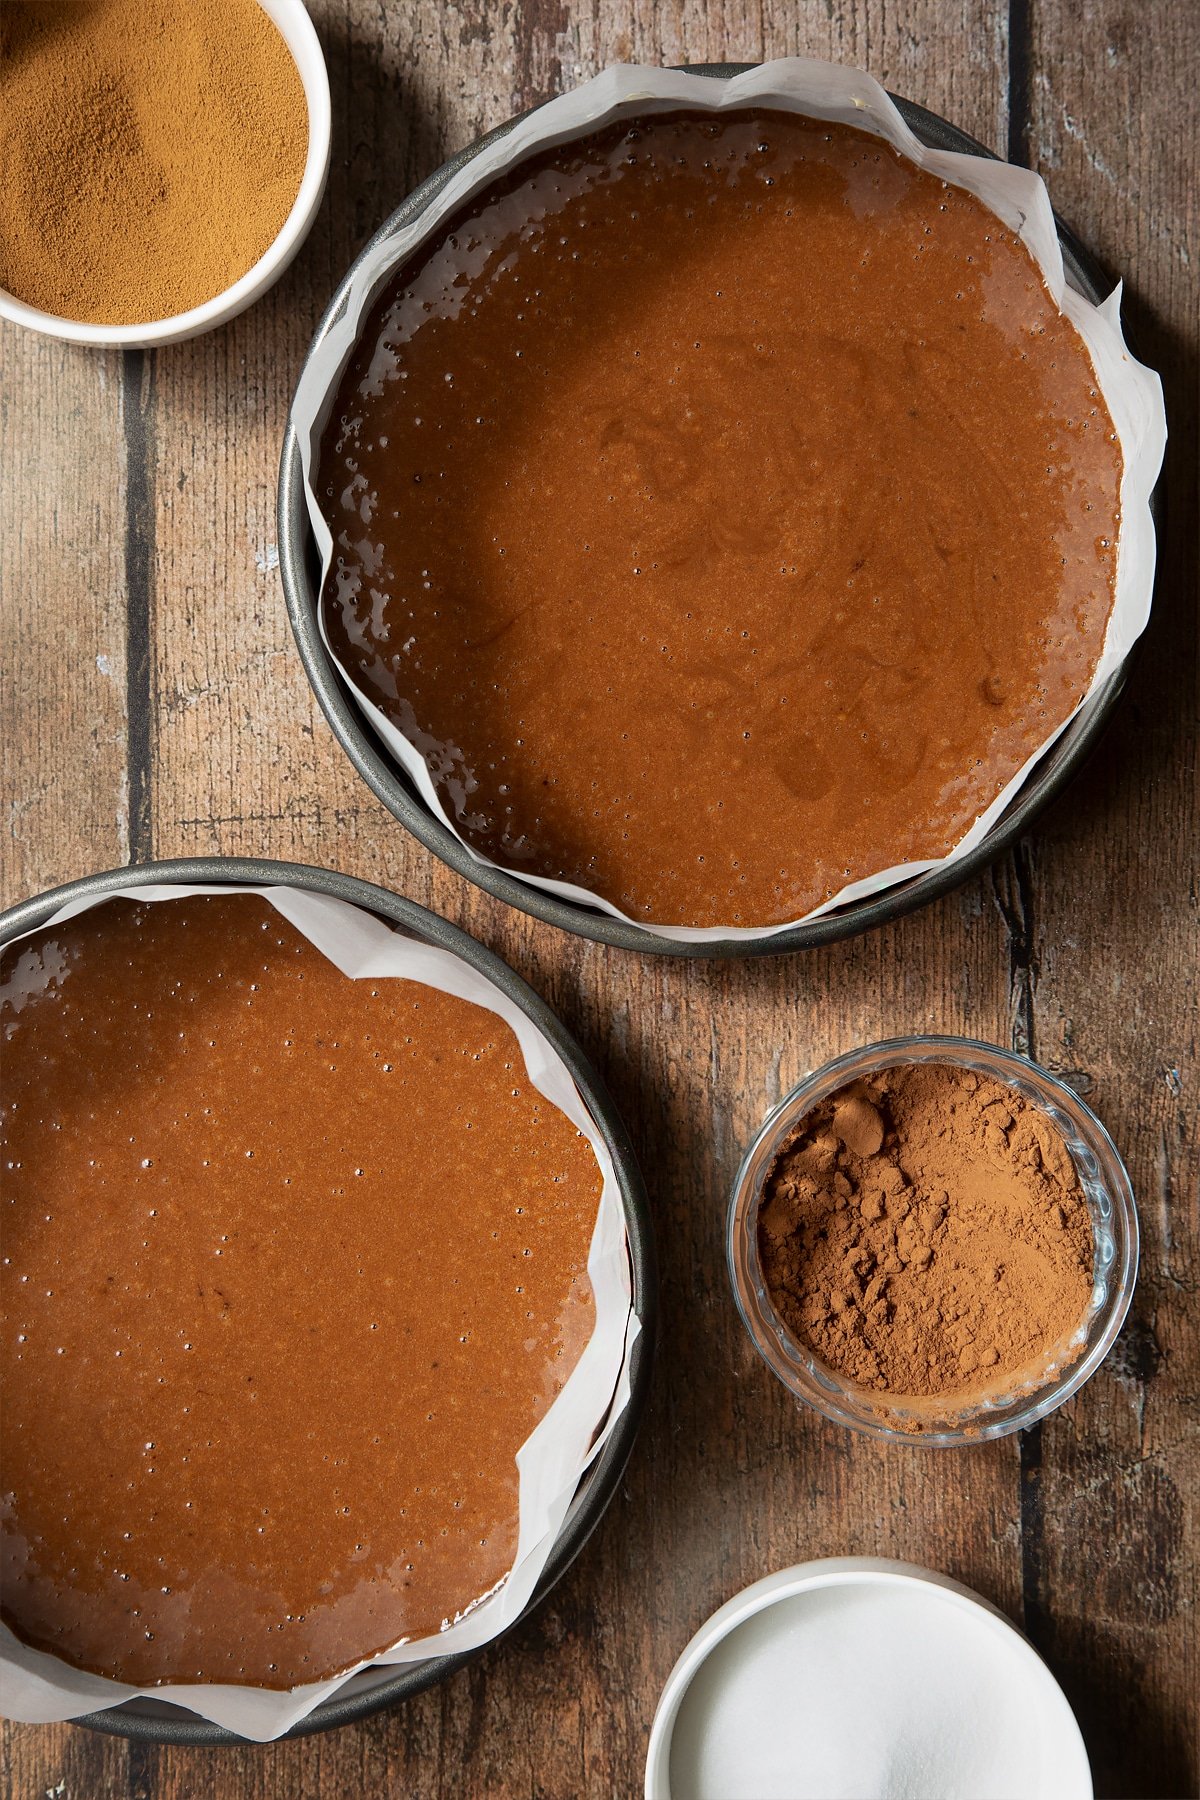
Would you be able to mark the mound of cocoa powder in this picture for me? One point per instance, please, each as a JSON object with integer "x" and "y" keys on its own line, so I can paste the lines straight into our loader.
{"x": 924, "y": 1234}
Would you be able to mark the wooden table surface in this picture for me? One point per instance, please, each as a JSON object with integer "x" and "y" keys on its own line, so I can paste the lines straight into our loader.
{"x": 155, "y": 706}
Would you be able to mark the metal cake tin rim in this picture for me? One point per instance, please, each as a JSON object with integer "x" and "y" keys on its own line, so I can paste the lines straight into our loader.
{"x": 385, "y": 779}
{"x": 142, "y": 1720}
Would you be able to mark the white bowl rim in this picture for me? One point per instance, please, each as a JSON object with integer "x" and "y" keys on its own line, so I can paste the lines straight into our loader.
{"x": 859, "y": 1571}
{"x": 294, "y": 25}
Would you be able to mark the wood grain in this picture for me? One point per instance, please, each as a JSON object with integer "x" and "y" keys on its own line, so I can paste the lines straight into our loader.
{"x": 62, "y": 592}
{"x": 138, "y": 508}
{"x": 1112, "y": 1585}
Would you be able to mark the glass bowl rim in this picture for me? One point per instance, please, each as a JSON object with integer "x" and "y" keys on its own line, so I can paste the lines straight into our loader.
{"x": 958, "y": 1051}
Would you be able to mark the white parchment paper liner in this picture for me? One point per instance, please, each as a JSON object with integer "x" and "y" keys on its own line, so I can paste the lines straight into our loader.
{"x": 1132, "y": 392}
{"x": 37, "y": 1687}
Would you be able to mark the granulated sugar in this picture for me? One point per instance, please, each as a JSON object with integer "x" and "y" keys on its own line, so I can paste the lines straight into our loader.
{"x": 875, "y": 1691}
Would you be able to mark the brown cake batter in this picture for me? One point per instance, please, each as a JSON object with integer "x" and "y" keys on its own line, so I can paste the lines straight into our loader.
{"x": 292, "y": 1266}
{"x": 725, "y": 511}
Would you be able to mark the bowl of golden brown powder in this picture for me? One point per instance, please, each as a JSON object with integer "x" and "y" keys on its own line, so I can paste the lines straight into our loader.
{"x": 163, "y": 161}
{"x": 933, "y": 1238}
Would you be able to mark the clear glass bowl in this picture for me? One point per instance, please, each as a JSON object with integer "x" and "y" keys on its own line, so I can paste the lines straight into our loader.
{"x": 1104, "y": 1181}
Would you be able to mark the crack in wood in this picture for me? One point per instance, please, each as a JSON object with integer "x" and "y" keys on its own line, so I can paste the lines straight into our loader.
{"x": 1033, "y": 1535}
{"x": 297, "y": 813}
{"x": 143, "y": 1757}
{"x": 1020, "y": 39}
{"x": 137, "y": 394}
{"x": 1013, "y": 889}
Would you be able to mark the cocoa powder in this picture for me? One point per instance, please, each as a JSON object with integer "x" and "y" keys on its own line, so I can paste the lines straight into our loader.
{"x": 924, "y": 1234}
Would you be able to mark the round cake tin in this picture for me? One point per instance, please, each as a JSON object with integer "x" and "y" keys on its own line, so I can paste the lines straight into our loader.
{"x": 1106, "y": 1186}
{"x": 300, "y": 570}
{"x": 291, "y": 19}
{"x": 702, "y": 1715}
{"x": 158, "y": 1721}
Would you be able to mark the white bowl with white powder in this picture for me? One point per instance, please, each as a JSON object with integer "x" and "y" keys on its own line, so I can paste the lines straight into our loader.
{"x": 856, "y": 1678}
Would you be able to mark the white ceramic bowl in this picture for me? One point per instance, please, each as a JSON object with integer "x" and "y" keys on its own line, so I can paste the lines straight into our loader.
{"x": 735, "y": 1718}
{"x": 296, "y": 29}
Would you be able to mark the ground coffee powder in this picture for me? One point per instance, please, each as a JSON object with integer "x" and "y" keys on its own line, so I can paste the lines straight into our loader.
{"x": 924, "y": 1233}
{"x": 152, "y": 151}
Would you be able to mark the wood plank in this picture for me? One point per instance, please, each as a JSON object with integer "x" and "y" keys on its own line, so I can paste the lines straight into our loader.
{"x": 62, "y": 612}
{"x": 63, "y": 703}
{"x": 1113, "y": 127}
